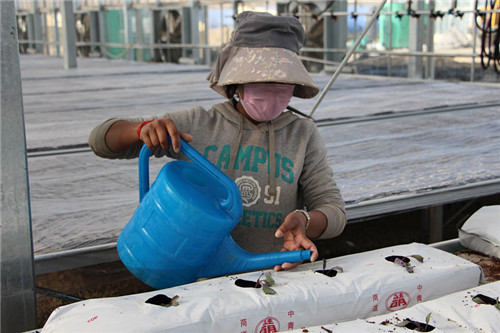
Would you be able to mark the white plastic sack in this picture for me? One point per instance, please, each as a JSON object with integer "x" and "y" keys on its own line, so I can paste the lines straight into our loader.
{"x": 481, "y": 232}
{"x": 369, "y": 285}
{"x": 452, "y": 313}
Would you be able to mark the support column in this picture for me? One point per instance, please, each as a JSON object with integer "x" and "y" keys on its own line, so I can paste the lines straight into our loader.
{"x": 69, "y": 35}
{"x": 416, "y": 41}
{"x": 102, "y": 31}
{"x": 56, "y": 33}
{"x": 435, "y": 224}
{"x": 37, "y": 20}
{"x": 18, "y": 303}
{"x": 195, "y": 31}
{"x": 430, "y": 66}
{"x": 207, "y": 59}
{"x": 186, "y": 30}
{"x": 139, "y": 34}
{"x": 127, "y": 27}
{"x": 31, "y": 30}
{"x": 335, "y": 32}
{"x": 94, "y": 30}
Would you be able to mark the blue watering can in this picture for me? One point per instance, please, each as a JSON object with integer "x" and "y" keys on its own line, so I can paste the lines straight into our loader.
{"x": 181, "y": 230}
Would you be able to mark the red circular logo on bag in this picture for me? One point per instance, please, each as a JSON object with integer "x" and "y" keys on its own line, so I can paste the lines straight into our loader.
{"x": 268, "y": 325}
{"x": 397, "y": 301}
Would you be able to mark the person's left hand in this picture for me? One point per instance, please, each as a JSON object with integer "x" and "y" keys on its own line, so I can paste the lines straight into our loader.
{"x": 294, "y": 238}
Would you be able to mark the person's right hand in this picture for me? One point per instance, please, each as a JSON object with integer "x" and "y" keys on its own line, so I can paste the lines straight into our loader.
{"x": 155, "y": 135}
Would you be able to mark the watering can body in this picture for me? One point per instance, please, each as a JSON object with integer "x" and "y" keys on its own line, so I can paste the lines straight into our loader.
{"x": 181, "y": 230}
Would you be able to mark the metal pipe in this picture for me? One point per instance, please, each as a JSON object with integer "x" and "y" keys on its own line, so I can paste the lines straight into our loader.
{"x": 457, "y": 13}
{"x": 17, "y": 281}
{"x": 348, "y": 56}
{"x": 175, "y": 46}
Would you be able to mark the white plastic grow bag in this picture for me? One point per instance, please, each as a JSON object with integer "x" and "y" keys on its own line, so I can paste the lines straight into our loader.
{"x": 481, "y": 232}
{"x": 452, "y": 313}
{"x": 369, "y": 285}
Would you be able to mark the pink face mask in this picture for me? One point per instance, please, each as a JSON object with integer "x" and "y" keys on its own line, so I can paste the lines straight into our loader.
{"x": 266, "y": 101}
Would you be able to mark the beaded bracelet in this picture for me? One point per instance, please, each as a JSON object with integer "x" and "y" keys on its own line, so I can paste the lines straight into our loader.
{"x": 306, "y": 215}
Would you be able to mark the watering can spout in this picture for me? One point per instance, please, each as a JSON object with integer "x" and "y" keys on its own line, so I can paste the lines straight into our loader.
{"x": 230, "y": 258}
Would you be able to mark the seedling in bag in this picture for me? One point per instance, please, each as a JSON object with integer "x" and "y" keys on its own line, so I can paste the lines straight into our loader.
{"x": 329, "y": 272}
{"x": 417, "y": 326}
{"x": 404, "y": 261}
{"x": 483, "y": 299}
{"x": 163, "y": 300}
{"x": 265, "y": 284}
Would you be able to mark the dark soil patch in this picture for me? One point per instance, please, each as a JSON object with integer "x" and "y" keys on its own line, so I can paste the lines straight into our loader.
{"x": 104, "y": 280}
{"x": 490, "y": 265}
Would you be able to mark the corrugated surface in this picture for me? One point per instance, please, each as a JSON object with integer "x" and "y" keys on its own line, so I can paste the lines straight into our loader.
{"x": 79, "y": 199}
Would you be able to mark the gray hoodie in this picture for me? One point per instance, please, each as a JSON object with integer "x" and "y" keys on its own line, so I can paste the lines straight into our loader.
{"x": 289, "y": 145}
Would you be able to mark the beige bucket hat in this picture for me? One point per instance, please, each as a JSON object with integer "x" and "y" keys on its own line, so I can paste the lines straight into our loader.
{"x": 263, "y": 48}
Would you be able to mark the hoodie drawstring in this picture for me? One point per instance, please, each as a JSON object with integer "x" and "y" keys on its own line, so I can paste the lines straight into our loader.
{"x": 271, "y": 149}
{"x": 234, "y": 152}
{"x": 272, "y": 161}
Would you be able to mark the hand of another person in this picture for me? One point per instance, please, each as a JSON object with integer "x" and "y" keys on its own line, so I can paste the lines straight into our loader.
{"x": 155, "y": 135}
{"x": 294, "y": 238}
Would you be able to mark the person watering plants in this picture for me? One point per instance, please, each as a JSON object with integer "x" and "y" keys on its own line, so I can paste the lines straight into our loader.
{"x": 277, "y": 159}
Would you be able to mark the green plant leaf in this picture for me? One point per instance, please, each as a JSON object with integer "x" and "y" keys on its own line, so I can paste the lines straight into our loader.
{"x": 269, "y": 279}
{"x": 418, "y": 257}
{"x": 478, "y": 300}
{"x": 174, "y": 302}
{"x": 428, "y": 318}
{"x": 403, "y": 323}
{"x": 338, "y": 269}
{"x": 267, "y": 289}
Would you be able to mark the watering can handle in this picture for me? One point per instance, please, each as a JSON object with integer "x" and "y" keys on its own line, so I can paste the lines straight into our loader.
{"x": 233, "y": 191}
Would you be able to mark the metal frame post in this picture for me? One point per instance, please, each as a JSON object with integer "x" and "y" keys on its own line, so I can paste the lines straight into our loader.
{"x": 335, "y": 32}
{"x": 389, "y": 58}
{"x": 127, "y": 27}
{"x": 195, "y": 32}
{"x": 430, "y": 68}
{"x": 435, "y": 224}
{"x": 416, "y": 41}
{"x": 69, "y": 35}
{"x": 101, "y": 17}
{"x": 44, "y": 33}
{"x": 94, "y": 30}
{"x": 186, "y": 34}
{"x": 56, "y": 32}
{"x": 139, "y": 34}
{"x": 30, "y": 20}
{"x": 37, "y": 20}
{"x": 18, "y": 302}
{"x": 207, "y": 59}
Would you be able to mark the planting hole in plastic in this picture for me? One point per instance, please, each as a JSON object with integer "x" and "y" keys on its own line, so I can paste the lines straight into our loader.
{"x": 163, "y": 300}
{"x": 483, "y": 299}
{"x": 327, "y": 272}
{"x": 402, "y": 258}
{"x": 247, "y": 284}
{"x": 416, "y": 326}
